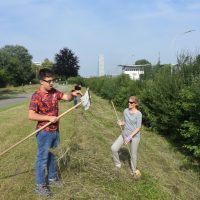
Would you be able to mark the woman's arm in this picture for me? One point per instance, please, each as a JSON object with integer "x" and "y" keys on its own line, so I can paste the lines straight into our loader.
{"x": 127, "y": 139}
{"x": 120, "y": 123}
{"x": 138, "y": 125}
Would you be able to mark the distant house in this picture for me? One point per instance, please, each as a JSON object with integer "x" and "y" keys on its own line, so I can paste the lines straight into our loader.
{"x": 134, "y": 71}
{"x": 37, "y": 63}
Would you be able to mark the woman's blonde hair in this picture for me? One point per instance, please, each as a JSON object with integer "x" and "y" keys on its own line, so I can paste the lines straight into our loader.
{"x": 135, "y": 99}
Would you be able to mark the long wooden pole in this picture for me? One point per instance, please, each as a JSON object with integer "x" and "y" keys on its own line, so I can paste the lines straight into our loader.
{"x": 39, "y": 129}
{"x": 116, "y": 114}
{"x": 119, "y": 125}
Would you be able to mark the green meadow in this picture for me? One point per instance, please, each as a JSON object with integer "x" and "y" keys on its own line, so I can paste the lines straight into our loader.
{"x": 84, "y": 159}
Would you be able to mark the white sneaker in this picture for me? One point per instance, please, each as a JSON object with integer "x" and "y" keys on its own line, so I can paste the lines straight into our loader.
{"x": 118, "y": 165}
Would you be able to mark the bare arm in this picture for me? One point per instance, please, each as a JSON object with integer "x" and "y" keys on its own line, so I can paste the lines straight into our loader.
{"x": 135, "y": 131}
{"x": 32, "y": 115}
{"x": 130, "y": 136}
{"x": 69, "y": 97}
{"x": 121, "y": 123}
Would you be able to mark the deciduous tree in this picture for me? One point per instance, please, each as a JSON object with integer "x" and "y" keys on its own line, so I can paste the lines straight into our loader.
{"x": 66, "y": 63}
{"x": 16, "y": 62}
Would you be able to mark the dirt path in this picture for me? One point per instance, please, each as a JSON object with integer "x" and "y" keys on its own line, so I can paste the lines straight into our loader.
{"x": 19, "y": 98}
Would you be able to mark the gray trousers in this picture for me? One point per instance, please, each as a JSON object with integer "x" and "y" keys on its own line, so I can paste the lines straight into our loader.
{"x": 133, "y": 150}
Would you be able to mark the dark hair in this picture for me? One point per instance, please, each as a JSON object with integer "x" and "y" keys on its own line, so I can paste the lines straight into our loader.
{"x": 77, "y": 87}
{"x": 45, "y": 72}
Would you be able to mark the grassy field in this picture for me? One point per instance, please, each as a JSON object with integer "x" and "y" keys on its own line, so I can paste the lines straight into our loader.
{"x": 85, "y": 163}
{"x": 10, "y": 91}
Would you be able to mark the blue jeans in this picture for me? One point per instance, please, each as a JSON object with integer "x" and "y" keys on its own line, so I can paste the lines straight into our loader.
{"x": 46, "y": 159}
{"x": 75, "y": 100}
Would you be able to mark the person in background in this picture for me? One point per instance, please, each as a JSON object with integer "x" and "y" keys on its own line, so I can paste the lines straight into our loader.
{"x": 75, "y": 98}
{"x": 44, "y": 108}
{"x": 132, "y": 121}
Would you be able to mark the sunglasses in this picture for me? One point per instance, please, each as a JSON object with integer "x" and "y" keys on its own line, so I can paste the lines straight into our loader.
{"x": 49, "y": 81}
{"x": 131, "y": 102}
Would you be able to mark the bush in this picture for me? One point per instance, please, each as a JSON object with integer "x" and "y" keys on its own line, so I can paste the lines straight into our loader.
{"x": 76, "y": 80}
{"x": 169, "y": 100}
{"x": 3, "y": 79}
{"x": 189, "y": 116}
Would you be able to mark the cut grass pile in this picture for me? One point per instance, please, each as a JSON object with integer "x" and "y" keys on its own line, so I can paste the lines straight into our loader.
{"x": 85, "y": 164}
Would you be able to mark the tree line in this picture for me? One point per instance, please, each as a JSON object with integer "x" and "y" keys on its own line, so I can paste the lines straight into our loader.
{"x": 17, "y": 68}
{"x": 169, "y": 98}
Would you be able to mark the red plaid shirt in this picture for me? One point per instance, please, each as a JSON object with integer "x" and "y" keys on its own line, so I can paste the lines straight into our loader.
{"x": 46, "y": 104}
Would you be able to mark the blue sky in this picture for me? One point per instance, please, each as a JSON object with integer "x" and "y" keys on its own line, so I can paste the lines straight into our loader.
{"x": 122, "y": 30}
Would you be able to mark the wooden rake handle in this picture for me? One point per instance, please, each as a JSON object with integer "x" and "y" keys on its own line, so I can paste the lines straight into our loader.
{"x": 119, "y": 125}
{"x": 39, "y": 129}
{"x": 116, "y": 113}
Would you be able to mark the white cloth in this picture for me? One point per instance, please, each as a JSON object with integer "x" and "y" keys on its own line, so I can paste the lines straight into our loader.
{"x": 85, "y": 99}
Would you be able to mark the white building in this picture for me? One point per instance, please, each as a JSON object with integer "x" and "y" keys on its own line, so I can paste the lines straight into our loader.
{"x": 37, "y": 63}
{"x": 134, "y": 71}
{"x": 101, "y": 65}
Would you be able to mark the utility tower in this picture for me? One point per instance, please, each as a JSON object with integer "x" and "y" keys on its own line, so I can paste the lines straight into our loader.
{"x": 101, "y": 65}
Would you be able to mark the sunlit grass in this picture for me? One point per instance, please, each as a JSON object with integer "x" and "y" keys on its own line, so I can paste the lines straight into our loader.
{"x": 86, "y": 166}
{"x": 11, "y": 91}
